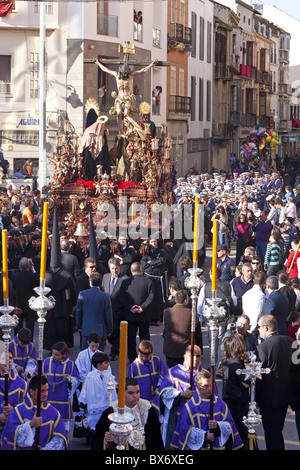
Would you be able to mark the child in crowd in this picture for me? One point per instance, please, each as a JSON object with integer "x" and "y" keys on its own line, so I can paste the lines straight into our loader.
{"x": 24, "y": 352}
{"x": 63, "y": 379}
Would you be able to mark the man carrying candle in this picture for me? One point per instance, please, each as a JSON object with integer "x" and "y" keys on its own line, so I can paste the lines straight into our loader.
{"x": 146, "y": 433}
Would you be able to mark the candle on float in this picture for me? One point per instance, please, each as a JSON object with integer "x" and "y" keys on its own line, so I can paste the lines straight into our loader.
{"x": 73, "y": 205}
{"x": 122, "y": 364}
{"x": 44, "y": 240}
{"x": 132, "y": 212}
{"x": 214, "y": 256}
{"x": 4, "y": 265}
{"x": 196, "y": 230}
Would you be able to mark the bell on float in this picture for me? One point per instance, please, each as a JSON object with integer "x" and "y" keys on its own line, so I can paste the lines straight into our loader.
{"x": 80, "y": 230}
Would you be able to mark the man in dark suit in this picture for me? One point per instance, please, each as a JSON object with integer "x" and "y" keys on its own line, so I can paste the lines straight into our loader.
{"x": 68, "y": 261}
{"x": 93, "y": 312}
{"x": 137, "y": 294}
{"x": 111, "y": 283}
{"x": 273, "y": 391}
{"x": 23, "y": 283}
{"x": 287, "y": 290}
{"x": 83, "y": 281}
{"x": 276, "y": 304}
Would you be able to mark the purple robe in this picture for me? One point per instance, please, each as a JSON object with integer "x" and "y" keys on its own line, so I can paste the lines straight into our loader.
{"x": 191, "y": 426}
{"x": 22, "y": 354}
{"x": 17, "y": 389}
{"x": 148, "y": 375}
{"x": 53, "y": 424}
{"x": 58, "y": 394}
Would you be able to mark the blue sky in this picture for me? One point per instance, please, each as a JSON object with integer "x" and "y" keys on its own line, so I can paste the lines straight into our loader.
{"x": 291, "y": 7}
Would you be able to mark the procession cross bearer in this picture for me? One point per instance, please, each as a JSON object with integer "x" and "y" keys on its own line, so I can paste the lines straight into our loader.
{"x": 125, "y": 99}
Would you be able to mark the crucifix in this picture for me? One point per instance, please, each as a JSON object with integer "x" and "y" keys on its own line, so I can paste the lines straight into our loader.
{"x": 252, "y": 372}
{"x": 124, "y": 103}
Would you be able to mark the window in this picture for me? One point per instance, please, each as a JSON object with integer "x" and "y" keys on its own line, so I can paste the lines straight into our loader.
{"x": 173, "y": 11}
{"x": 20, "y": 137}
{"x": 35, "y": 74}
{"x": 193, "y": 98}
{"x": 5, "y": 74}
{"x": 173, "y": 81}
{"x": 201, "y": 39}
{"x": 48, "y": 7}
{"x": 181, "y": 82}
{"x": 201, "y": 94}
{"x": 156, "y": 37}
{"x": 194, "y": 34}
{"x": 182, "y": 12}
{"x": 208, "y": 100}
{"x": 209, "y": 30}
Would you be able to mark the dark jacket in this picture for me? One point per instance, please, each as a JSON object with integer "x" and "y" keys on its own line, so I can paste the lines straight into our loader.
{"x": 277, "y": 304}
{"x": 274, "y": 389}
{"x": 137, "y": 290}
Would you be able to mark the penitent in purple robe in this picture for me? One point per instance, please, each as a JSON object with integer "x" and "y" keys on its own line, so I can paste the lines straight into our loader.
{"x": 148, "y": 375}
{"x": 191, "y": 426}
{"x": 22, "y": 355}
{"x": 17, "y": 389}
{"x": 53, "y": 426}
{"x": 58, "y": 395}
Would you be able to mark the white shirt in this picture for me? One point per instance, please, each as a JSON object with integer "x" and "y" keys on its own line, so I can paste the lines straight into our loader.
{"x": 253, "y": 303}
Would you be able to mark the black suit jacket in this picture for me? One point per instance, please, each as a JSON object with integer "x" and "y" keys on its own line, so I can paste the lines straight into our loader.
{"x": 23, "y": 283}
{"x": 82, "y": 283}
{"x": 115, "y": 295}
{"x": 274, "y": 389}
{"x": 137, "y": 290}
{"x": 70, "y": 263}
{"x": 277, "y": 304}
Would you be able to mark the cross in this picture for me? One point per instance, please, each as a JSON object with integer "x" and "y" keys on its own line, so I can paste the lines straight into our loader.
{"x": 127, "y": 49}
{"x": 254, "y": 371}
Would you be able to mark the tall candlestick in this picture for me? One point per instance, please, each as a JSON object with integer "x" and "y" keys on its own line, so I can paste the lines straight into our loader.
{"x": 122, "y": 364}
{"x": 214, "y": 256}
{"x": 4, "y": 265}
{"x": 44, "y": 241}
{"x": 196, "y": 230}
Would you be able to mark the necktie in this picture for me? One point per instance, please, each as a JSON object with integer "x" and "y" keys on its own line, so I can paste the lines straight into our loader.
{"x": 112, "y": 284}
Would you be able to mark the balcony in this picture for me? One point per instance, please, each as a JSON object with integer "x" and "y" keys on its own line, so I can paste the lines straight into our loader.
{"x": 222, "y": 130}
{"x": 107, "y": 25}
{"x": 296, "y": 123}
{"x": 221, "y": 70}
{"x": 284, "y": 89}
{"x": 245, "y": 70}
{"x": 264, "y": 121}
{"x": 180, "y": 37}
{"x": 5, "y": 87}
{"x": 234, "y": 119}
{"x": 248, "y": 120}
{"x": 180, "y": 104}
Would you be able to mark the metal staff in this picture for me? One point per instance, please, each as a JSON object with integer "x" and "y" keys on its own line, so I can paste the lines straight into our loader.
{"x": 41, "y": 304}
{"x": 193, "y": 283}
{"x": 253, "y": 419}
{"x": 7, "y": 322}
{"x": 213, "y": 314}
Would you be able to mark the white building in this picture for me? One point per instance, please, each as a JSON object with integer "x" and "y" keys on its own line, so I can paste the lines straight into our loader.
{"x": 200, "y": 83}
{"x": 76, "y": 32}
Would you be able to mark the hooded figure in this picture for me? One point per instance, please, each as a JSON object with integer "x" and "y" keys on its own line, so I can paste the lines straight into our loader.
{"x": 58, "y": 326}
